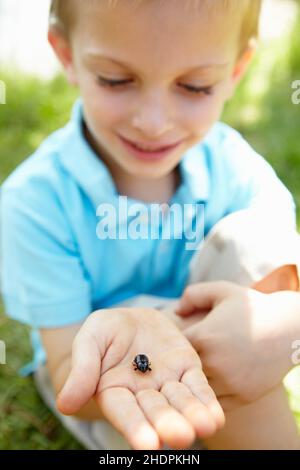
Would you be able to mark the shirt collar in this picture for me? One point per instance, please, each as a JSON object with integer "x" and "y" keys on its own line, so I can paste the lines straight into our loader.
{"x": 80, "y": 160}
{"x": 195, "y": 175}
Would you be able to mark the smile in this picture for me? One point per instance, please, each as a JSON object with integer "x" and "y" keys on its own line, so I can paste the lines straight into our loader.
{"x": 149, "y": 154}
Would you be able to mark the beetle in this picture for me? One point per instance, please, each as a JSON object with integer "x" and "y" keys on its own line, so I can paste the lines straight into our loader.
{"x": 141, "y": 363}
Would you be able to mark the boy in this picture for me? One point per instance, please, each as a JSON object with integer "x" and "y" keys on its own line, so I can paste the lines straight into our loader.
{"x": 153, "y": 78}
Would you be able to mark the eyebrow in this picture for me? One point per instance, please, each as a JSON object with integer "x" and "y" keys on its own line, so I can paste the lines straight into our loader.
{"x": 96, "y": 56}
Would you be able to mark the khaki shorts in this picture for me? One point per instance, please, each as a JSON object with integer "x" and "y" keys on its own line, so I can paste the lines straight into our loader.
{"x": 235, "y": 250}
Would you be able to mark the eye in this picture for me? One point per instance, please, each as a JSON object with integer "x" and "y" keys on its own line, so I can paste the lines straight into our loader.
{"x": 112, "y": 83}
{"x": 117, "y": 83}
{"x": 206, "y": 90}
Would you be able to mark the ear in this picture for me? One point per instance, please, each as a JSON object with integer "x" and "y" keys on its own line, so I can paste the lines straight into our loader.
{"x": 244, "y": 61}
{"x": 62, "y": 49}
{"x": 242, "y": 65}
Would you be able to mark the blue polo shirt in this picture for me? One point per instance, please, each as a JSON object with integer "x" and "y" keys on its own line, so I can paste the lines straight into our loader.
{"x": 56, "y": 270}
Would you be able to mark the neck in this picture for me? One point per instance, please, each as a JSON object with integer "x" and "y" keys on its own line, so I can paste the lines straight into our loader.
{"x": 149, "y": 191}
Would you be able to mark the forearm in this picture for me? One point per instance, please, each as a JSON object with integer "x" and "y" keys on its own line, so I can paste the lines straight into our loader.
{"x": 89, "y": 412}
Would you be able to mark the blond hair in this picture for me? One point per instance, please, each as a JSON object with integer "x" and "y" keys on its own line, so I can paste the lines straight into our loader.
{"x": 62, "y": 14}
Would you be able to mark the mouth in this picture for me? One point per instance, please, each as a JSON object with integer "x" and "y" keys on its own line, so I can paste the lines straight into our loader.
{"x": 147, "y": 153}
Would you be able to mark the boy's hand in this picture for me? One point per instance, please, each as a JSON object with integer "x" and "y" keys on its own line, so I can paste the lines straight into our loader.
{"x": 170, "y": 404}
{"x": 245, "y": 341}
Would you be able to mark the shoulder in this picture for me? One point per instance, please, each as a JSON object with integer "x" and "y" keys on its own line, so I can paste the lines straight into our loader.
{"x": 229, "y": 151}
{"x": 226, "y": 141}
{"x": 41, "y": 171}
{"x": 39, "y": 188}
{"x": 33, "y": 197}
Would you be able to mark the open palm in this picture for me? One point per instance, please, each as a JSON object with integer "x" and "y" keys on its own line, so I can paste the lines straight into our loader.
{"x": 170, "y": 404}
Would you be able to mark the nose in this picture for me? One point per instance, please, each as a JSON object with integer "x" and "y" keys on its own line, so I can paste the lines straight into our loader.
{"x": 152, "y": 116}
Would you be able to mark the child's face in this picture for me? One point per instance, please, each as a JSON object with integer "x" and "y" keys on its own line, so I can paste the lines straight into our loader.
{"x": 164, "y": 50}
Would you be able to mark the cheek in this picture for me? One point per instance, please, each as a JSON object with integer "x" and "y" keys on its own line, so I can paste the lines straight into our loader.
{"x": 105, "y": 109}
{"x": 201, "y": 116}
{"x": 103, "y": 106}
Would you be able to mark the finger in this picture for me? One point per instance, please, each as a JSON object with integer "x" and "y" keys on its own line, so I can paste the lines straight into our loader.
{"x": 171, "y": 426}
{"x": 84, "y": 376}
{"x": 198, "y": 384}
{"x": 204, "y": 296}
{"x": 181, "y": 398}
{"x": 121, "y": 409}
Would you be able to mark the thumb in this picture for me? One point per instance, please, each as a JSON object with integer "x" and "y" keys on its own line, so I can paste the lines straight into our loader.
{"x": 84, "y": 375}
{"x": 205, "y": 296}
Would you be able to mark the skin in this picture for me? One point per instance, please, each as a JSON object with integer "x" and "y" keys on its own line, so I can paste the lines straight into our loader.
{"x": 170, "y": 404}
{"x": 163, "y": 51}
{"x": 218, "y": 318}
{"x": 245, "y": 343}
{"x": 246, "y": 338}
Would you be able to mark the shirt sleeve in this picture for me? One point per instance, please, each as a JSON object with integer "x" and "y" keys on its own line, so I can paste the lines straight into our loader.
{"x": 43, "y": 283}
{"x": 253, "y": 184}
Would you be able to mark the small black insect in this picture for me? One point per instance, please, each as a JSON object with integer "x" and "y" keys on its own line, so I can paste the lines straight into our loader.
{"x": 141, "y": 362}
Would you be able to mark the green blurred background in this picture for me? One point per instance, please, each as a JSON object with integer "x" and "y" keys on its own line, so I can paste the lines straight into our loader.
{"x": 262, "y": 110}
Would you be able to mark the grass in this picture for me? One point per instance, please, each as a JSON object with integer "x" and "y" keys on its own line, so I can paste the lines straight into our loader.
{"x": 262, "y": 110}
{"x": 25, "y": 422}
